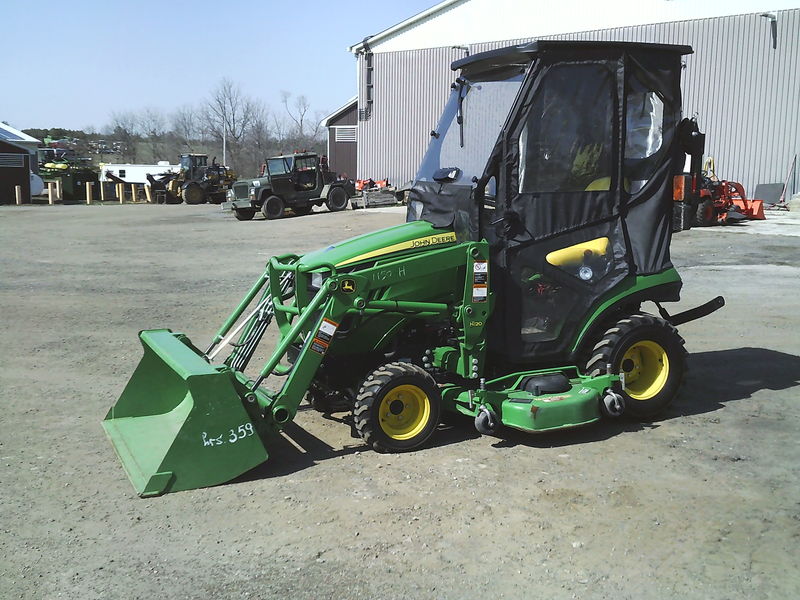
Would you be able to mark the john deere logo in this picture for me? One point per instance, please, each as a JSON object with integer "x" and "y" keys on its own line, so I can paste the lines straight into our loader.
{"x": 348, "y": 286}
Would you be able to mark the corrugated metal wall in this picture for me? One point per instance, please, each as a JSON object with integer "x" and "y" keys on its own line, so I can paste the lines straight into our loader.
{"x": 410, "y": 89}
{"x": 746, "y": 95}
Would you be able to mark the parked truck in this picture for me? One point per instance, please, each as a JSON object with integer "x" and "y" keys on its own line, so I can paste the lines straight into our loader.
{"x": 296, "y": 181}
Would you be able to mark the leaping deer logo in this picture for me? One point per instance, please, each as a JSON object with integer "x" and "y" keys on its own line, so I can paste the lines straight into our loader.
{"x": 348, "y": 286}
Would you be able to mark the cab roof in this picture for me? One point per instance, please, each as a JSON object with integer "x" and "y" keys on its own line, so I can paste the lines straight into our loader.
{"x": 522, "y": 54}
{"x": 295, "y": 155}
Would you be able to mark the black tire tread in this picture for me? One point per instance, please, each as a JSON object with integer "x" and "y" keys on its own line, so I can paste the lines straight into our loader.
{"x": 603, "y": 350}
{"x": 700, "y": 219}
{"x": 364, "y": 425}
{"x": 244, "y": 214}
{"x": 337, "y": 191}
{"x": 269, "y": 216}
{"x": 188, "y": 198}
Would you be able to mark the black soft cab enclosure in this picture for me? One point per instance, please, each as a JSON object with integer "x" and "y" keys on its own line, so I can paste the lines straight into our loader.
{"x": 572, "y": 155}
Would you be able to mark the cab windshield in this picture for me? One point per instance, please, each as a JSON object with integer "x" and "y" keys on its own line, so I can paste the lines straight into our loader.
{"x": 469, "y": 126}
{"x": 279, "y": 166}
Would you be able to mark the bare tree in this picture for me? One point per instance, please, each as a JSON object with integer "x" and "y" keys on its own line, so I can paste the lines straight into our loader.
{"x": 297, "y": 112}
{"x": 280, "y": 128}
{"x": 125, "y": 127}
{"x": 259, "y": 141}
{"x": 229, "y": 115}
{"x": 317, "y": 132}
{"x": 186, "y": 126}
{"x": 153, "y": 126}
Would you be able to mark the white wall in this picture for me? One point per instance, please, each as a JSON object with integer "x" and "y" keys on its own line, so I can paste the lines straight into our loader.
{"x": 476, "y": 21}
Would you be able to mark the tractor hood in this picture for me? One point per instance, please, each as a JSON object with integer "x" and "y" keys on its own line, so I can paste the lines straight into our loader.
{"x": 255, "y": 181}
{"x": 401, "y": 239}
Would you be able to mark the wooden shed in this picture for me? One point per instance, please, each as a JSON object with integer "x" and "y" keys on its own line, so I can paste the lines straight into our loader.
{"x": 342, "y": 128}
{"x": 15, "y": 170}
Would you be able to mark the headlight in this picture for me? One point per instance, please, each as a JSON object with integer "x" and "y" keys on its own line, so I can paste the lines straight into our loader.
{"x": 252, "y": 193}
{"x": 316, "y": 280}
{"x": 230, "y": 195}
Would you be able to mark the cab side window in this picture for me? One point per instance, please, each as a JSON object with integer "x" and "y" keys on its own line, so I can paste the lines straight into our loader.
{"x": 647, "y": 120}
{"x": 566, "y": 143}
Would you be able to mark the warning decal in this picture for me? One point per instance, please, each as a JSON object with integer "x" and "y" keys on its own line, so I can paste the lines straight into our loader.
{"x": 324, "y": 336}
{"x": 480, "y": 280}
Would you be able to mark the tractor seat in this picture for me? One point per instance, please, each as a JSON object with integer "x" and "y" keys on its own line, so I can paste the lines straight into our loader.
{"x": 551, "y": 383}
{"x": 603, "y": 184}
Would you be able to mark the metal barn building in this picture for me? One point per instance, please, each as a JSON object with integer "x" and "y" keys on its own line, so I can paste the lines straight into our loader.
{"x": 742, "y": 82}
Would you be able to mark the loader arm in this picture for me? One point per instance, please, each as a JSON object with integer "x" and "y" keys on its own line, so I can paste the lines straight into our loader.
{"x": 315, "y": 325}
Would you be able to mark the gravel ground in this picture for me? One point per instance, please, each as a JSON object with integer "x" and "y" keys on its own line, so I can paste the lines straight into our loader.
{"x": 704, "y": 503}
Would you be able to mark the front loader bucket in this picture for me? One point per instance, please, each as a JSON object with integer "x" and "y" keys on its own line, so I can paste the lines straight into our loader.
{"x": 180, "y": 423}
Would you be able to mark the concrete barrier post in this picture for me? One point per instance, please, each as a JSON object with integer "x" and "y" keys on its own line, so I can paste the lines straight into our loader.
{"x": 121, "y": 193}
{"x": 18, "y": 194}
{"x": 102, "y": 191}
{"x": 51, "y": 192}
{"x": 133, "y": 193}
{"x": 59, "y": 190}
{"x": 89, "y": 190}
{"x": 148, "y": 193}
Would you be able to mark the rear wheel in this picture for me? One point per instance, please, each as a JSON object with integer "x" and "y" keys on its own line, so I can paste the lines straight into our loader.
{"x": 193, "y": 194}
{"x": 244, "y": 214}
{"x": 650, "y": 355}
{"x": 273, "y": 208}
{"x": 705, "y": 215}
{"x": 397, "y": 407}
{"x": 337, "y": 199}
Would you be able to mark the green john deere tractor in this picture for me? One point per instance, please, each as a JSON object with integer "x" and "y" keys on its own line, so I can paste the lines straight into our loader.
{"x": 538, "y": 224}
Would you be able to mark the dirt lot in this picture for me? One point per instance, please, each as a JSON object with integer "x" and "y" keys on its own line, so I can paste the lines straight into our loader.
{"x": 704, "y": 503}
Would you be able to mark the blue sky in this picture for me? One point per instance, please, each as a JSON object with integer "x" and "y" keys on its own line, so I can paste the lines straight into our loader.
{"x": 71, "y": 64}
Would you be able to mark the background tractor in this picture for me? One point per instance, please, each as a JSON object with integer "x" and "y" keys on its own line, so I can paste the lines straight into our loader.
{"x": 196, "y": 182}
{"x": 297, "y": 181}
{"x": 538, "y": 225}
{"x": 701, "y": 198}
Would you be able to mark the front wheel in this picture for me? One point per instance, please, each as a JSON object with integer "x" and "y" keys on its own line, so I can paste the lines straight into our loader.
{"x": 273, "y": 208}
{"x": 337, "y": 199}
{"x": 397, "y": 407}
{"x": 706, "y": 215}
{"x": 648, "y": 353}
{"x": 244, "y": 214}
{"x": 193, "y": 194}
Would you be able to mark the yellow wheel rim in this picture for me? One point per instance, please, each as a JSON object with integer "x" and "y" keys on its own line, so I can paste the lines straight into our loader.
{"x": 646, "y": 369}
{"x": 404, "y": 412}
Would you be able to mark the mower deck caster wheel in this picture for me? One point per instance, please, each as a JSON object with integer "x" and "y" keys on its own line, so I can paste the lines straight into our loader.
{"x": 612, "y": 404}
{"x": 486, "y": 422}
